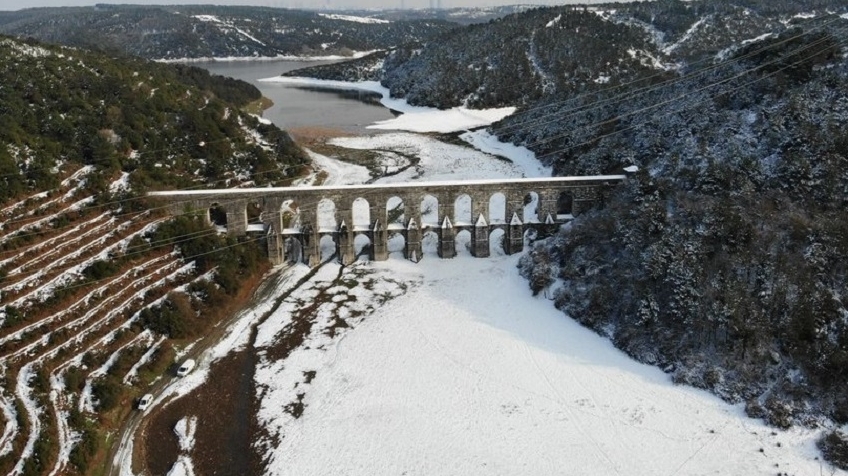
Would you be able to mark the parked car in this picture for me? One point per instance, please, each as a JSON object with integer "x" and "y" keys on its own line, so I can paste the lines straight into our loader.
{"x": 185, "y": 368}
{"x": 145, "y": 402}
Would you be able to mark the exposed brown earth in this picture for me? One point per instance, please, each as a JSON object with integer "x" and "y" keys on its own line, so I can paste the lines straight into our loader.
{"x": 225, "y": 407}
{"x": 311, "y": 136}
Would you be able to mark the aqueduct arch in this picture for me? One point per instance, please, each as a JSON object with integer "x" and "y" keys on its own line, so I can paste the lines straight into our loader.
{"x": 296, "y": 220}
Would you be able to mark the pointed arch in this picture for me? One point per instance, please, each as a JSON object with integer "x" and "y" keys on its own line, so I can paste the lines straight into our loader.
{"x": 429, "y": 243}
{"x": 565, "y": 204}
{"x": 462, "y": 210}
{"x": 217, "y": 215}
{"x": 327, "y": 215}
{"x": 497, "y": 209}
{"x": 289, "y": 214}
{"x": 429, "y": 211}
{"x": 496, "y": 242}
{"x": 326, "y": 247}
{"x": 531, "y": 208}
{"x": 463, "y": 242}
{"x": 396, "y": 244}
{"x": 395, "y": 213}
{"x": 293, "y": 250}
{"x": 361, "y": 211}
{"x": 362, "y": 247}
{"x": 253, "y": 212}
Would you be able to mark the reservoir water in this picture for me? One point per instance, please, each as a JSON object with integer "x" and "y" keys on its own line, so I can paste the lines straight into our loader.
{"x": 297, "y": 107}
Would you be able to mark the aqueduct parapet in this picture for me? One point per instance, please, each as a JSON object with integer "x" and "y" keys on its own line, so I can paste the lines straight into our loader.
{"x": 557, "y": 200}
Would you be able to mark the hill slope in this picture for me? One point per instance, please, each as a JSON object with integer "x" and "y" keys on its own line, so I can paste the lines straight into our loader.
{"x": 191, "y": 31}
{"x": 97, "y": 287}
{"x": 549, "y": 53}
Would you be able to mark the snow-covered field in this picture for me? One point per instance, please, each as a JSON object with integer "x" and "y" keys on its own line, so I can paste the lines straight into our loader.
{"x": 438, "y": 161}
{"x": 467, "y": 373}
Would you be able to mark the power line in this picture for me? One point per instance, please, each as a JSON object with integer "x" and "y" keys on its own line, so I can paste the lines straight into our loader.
{"x": 689, "y": 93}
{"x": 637, "y": 125}
{"x": 626, "y": 95}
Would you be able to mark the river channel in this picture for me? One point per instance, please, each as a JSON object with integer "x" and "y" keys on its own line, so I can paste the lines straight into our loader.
{"x": 296, "y": 107}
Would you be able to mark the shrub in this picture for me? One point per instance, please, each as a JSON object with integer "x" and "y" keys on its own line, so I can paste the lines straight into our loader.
{"x": 754, "y": 410}
{"x": 100, "y": 269}
{"x": 834, "y": 447}
{"x": 108, "y": 392}
{"x": 13, "y": 316}
{"x": 83, "y": 452}
{"x": 779, "y": 413}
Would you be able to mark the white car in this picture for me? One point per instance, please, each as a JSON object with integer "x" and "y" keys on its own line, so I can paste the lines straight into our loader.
{"x": 145, "y": 402}
{"x": 185, "y": 368}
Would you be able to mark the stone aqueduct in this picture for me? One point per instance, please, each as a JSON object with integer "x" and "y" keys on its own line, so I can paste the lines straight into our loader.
{"x": 289, "y": 216}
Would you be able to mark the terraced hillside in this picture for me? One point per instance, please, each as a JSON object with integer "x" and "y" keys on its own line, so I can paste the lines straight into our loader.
{"x": 100, "y": 291}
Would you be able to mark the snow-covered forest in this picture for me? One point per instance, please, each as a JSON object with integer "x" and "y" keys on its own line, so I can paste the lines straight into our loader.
{"x": 722, "y": 259}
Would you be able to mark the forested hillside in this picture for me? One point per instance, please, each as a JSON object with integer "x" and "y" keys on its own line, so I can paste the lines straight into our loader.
{"x": 168, "y": 125}
{"x": 98, "y": 287}
{"x": 723, "y": 259}
{"x": 548, "y": 53}
{"x": 206, "y": 31}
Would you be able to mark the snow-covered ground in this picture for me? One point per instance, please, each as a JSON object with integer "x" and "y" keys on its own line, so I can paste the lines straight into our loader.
{"x": 438, "y": 161}
{"x": 184, "y": 429}
{"x": 467, "y": 373}
{"x": 338, "y": 173}
{"x": 351, "y": 18}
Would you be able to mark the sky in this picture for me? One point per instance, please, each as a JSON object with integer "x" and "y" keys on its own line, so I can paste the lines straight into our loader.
{"x": 308, "y": 4}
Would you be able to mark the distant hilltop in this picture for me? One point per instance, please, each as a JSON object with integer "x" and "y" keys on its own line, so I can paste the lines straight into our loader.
{"x": 205, "y": 31}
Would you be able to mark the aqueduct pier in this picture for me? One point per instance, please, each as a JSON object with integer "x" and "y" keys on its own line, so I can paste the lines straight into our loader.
{"x": 296, "y": 219}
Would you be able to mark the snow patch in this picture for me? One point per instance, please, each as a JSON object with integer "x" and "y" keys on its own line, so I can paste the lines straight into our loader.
{"x": 686, "y": 36}
{"x": 339, "y": 172}
{"x": 183, "y": 467}
{"x": 11, "y": 427}
{"x": 521, "y": 157}
{"x": 352, "y": 18}
{"x": 451, "y": 120}
{"x": 26, "y": 50}
{"x": 121, "y": 184}
{"x": 185, "y": 429}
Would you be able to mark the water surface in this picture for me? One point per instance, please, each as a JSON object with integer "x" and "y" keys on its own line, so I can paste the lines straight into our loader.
{"x": 295, "y": 107}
